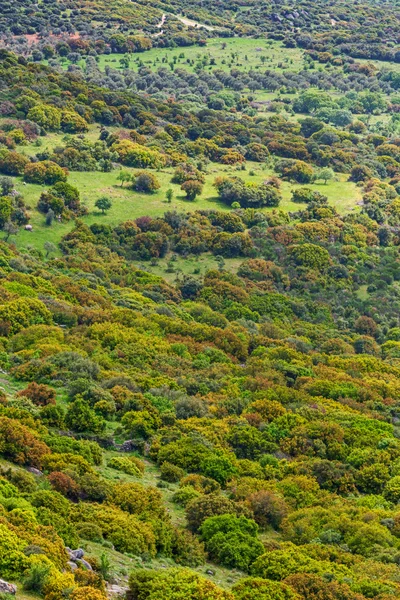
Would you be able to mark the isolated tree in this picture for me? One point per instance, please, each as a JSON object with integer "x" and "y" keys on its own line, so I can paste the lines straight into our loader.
{"x": 104, "y": 204}
{"x": 50, "y": 248}
{"x": 146, "y": 182}
{"x": 326, "y": 174}
{"x": 6, "y": 185}
{"x": 192, "y": 189}
{"x": 124, "y": 62}
{"x": 124, "y": 176}
{"x": 49, "y": 217}
{"x": 11, "y": 229}
{"x": 169, "y": 195}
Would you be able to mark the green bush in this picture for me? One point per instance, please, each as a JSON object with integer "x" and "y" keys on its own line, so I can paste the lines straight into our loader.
{"x": 126, "y": 465}
{"x": 231, "y": 540}
{"x": 170, "y": 472}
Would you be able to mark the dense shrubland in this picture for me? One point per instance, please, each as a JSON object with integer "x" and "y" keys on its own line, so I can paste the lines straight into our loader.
{"x": 245, "y": 418}
{"x": 267, "y": 398}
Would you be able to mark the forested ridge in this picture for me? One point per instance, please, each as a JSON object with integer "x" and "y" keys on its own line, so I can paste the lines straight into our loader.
{"x": 199, "y": 300}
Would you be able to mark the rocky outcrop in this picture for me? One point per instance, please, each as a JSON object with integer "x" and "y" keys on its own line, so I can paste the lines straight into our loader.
{"x": 7, "y": 588}
{"x": 116, "y": 590}
{"x": 84, "y": 563}
{"x": 76, "y": 559}
{"x": 34, "y": 471}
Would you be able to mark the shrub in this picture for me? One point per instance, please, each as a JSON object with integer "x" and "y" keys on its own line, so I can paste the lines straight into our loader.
{"x": 313, "y": 587}
{"x": 45, "y": 115}
{"x": 255, "y": 588}
{"x": 87, "y": 593}
{"x": 64, "y": 484}
{"x": 126, "y": 532}
{"x": 19, "y": 444}
{"x": 40, "y": 394}
{"x": 52, "y": 500}
{"x": 187, "y": 550}
{"x": 208, "y": 506}
{"x": 136, "y": 499}
{"x": 202, "y": 484}
{"x": 268, "y": 508}
{"x": 80, "y": 417}
{"x": 35, "y": 579}
{"x": 306, "y": 195}
{"x": 295, "y": 170}
{"x": 146, "y": 182}
{"x": 132, "y": 154}
{"x": 58, "y": 585}
{"x": 23, "y": 480}
{"x": 129, "y": 465}
{"x": 12, "y": 560}
{"x": 248, "y": 195}
{"x": 89, "y": 531}
{"x": 23, "y": 312}
{"x": 44, "y": 172}
{"x": 170, "y": 472}
{"x": 231, "y": 540}
{"x": 173, "y": 584}
{"x": 185, "y": 495}
{"x": 392, "y": 490}
{"x": 13, "y": 163}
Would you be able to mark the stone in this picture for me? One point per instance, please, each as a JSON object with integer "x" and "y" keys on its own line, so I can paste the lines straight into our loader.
{"x": 75, "y": 554}
{"x": 116, "y": 590}
{"x": 73, "y": 566}
{"x": 7, "y": 588}
{"x": 84, "y": 563}
{"x": 34, "y": 471}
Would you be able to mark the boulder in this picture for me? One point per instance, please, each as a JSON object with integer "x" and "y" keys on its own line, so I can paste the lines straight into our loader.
{"x": 34, "y": 471}
{"x": 84, "y": 563}
{"x": 7, "y": 588}
{"x": 75, "y": 554}
{"x": 116, "y": 590}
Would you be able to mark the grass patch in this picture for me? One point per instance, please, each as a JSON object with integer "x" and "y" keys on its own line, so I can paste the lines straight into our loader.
{"x": 219, "y": 53}
{"x": 128, "y": 204}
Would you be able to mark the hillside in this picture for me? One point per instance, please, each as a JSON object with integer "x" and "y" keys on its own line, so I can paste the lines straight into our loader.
{"x": 200, "y": 300}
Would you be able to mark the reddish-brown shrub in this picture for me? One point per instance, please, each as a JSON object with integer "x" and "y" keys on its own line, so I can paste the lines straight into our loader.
{"x": 64, "y": 484}
{"x": 40, "y": 394}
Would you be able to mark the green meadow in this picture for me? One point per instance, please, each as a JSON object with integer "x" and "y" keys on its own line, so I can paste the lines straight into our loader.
{"x": 128, "y": 204}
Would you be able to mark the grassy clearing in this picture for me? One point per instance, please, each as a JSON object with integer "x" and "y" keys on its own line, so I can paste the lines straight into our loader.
{"x": 191, "y": 265}
{"x": 220, "y": 53}
{"x": 128, "y": 204}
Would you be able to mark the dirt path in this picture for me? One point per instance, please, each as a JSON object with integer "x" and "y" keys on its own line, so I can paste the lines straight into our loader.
{"x": 160, "y": 26}
{"x": 161, "y": 23}
{"x": 185, "y": 21}
{"x": 191, "y": 23}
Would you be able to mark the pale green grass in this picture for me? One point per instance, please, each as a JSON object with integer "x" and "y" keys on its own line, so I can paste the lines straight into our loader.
{"x": 191, "y": 265}
{"x": 219, "y": 53}
{"x": 362, "y": 292}
{"x": 128, "y": 204}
